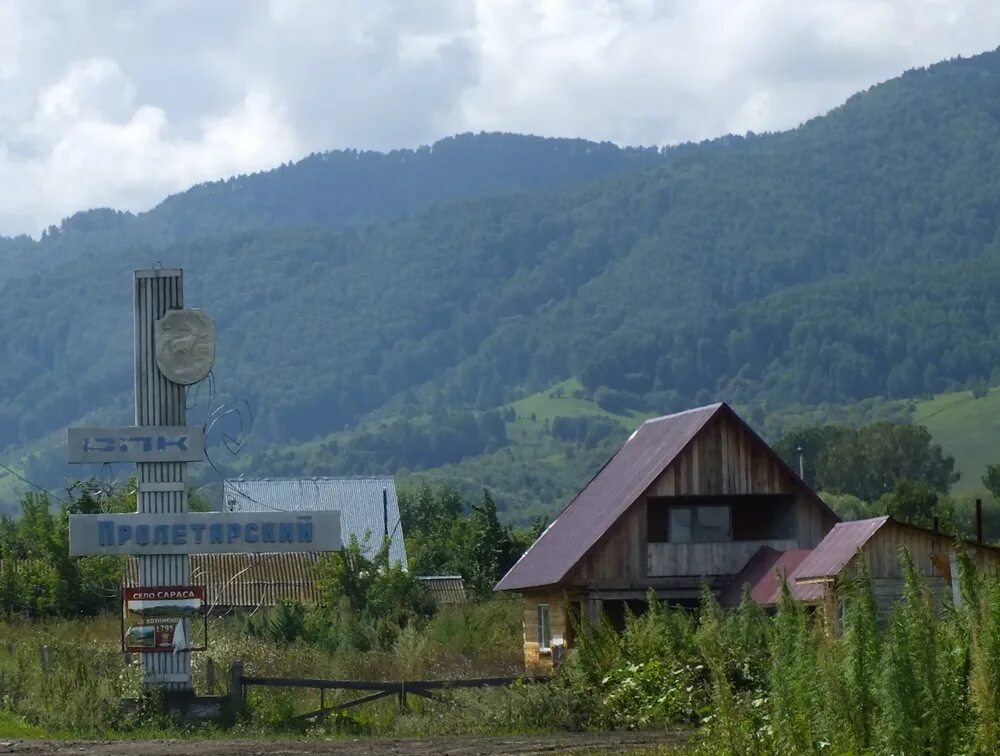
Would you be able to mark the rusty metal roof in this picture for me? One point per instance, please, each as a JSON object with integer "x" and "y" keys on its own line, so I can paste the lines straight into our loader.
{"x": 640, "y": 460}
{"x": 763, "y": 574}
{"x": 838, "y": 548}
{"x": 248, "y": 581}
{"x": 444, "y": 589}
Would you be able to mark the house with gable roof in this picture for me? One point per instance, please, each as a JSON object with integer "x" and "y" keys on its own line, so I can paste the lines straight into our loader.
{"x": 689, "y": 499}
{"x": 873, "y": 546}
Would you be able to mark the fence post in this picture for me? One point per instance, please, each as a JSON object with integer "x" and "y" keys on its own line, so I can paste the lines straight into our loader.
{"x": 210, "y": 674}
{"x": 236, "y": 687}
{"x": 46, "y": 656}
{"x": 402, "y": 696}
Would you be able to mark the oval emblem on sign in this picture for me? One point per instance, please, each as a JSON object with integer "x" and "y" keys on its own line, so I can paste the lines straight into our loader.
{"x": 185, "y": 346}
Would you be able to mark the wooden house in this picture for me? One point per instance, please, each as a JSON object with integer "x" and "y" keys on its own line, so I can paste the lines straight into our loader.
{"x": 689, "y": 499}
{"x": 816, "y": 577}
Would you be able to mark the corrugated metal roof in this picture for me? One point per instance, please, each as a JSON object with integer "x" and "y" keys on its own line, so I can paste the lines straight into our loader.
{"x": 248, "y": 581}
{"x": 444, "y": 589}
{"x": 763, "y": 574}
{"x": 606, "y": 497}
{"x": 359, "y": 501}
{"x": 838, "y": 548}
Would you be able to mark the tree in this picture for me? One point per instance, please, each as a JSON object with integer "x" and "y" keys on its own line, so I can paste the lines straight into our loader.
{"x": 37, "y": 576}
{"x": 991, "y": 479}
{"x": 441, "y": 539}
{"x": 371, "y": 592}
{"x": 869, "y": 461}
{"x": 494, "y": 549}
{"x": 814, "y": 442}
{"x": 916, "y": 502}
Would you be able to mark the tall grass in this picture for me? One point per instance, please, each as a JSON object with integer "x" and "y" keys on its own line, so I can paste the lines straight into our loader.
{"x": 87, "y": 675}
{"x": 923, "y": 680}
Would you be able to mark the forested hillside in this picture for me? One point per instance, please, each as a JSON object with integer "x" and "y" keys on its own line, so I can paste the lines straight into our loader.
{"x": 331, "y": 190}
{"x": 852, "y": 257}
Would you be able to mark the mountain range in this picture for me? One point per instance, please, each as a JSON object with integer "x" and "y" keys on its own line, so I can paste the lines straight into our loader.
{"x": 388, "y": 310}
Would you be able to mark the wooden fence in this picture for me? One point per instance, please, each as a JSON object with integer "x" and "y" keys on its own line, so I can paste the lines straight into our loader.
{"x": 430, "y": 689}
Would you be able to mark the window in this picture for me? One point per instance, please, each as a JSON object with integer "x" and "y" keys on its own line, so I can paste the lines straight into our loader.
{"x": 698, "y": 524}
{"x": 544, "y": 629}
{"x": 707, "y": 519}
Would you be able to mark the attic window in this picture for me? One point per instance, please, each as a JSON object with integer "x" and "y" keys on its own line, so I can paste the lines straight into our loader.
{"x": 695, "y": 523}
{"x": 715, "y": 519}
{"x": 699, "y": 524}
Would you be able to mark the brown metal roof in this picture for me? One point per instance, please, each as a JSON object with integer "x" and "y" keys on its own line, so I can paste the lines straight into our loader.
{"x": 838, "y": 548}
{"x": 444, "y": 589}
{"x": 606, "y": 497}
{"x": 248, "y": 581}
{"x": 763, "y": 574}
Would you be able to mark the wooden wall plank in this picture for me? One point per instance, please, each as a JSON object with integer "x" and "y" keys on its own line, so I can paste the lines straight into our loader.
{"x": 698, "y": 559}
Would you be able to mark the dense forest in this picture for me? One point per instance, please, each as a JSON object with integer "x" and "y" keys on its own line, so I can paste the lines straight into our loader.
{"x": 855, "y": 256}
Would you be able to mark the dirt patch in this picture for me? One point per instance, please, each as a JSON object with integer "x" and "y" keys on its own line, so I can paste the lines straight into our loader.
{"x": 585, "y": 742}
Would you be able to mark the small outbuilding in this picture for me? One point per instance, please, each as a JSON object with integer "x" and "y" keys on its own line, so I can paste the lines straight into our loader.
{"x": 367, "y": 505}
{"x": 689, "y": 499}
{"x": 248, "y": 582}
{"x": 816, "y": 577}
{"x": 445, "y": 590}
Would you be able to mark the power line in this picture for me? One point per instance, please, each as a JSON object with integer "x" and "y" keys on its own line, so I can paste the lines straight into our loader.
{"x": 21, "y": 478}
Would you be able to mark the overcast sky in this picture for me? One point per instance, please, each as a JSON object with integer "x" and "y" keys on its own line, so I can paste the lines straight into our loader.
{"x": 118, "y": 104}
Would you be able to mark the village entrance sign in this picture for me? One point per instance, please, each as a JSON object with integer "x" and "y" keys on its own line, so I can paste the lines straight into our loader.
{"x": 174, "y": 348}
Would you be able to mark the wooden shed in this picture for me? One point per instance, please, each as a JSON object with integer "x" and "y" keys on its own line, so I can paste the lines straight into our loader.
{"x": 878, "y": 541}
{"x": 248, "y": 582}
{"x": 689, "y": 499}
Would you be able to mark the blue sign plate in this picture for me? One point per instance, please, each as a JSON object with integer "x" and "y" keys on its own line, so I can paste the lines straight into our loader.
{"x": 140, "y": 444}
{"x": 204, "y": 533}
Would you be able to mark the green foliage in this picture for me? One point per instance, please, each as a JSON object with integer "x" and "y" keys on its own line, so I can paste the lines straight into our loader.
{"x": 868, "y": 462}
{"x": 367, "y": 603}
{"x": 920, "y": 692}
{"x": 991, "y": 479}
{"x": 38, "y": 578}
{"x": 846, "y": 506}
{"x": 445, "y": 536}
{"x": 914, "y": 502}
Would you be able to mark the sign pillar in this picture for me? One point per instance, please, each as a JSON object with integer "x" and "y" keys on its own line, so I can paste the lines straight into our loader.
{"x": 162, "y": 485}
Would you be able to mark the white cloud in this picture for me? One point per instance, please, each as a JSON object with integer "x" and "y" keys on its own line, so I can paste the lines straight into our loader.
{"x": 119, "y": 103}
{"x": 91, "y": 142}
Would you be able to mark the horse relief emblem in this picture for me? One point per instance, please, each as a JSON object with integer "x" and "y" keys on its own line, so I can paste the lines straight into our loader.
{"x": 185, "y": 346}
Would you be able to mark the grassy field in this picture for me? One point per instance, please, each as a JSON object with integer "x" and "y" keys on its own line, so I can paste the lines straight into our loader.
{"x": 536, "y": 473}
{"x": 966, "y": 427}
{"x": 566, "y": 400}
